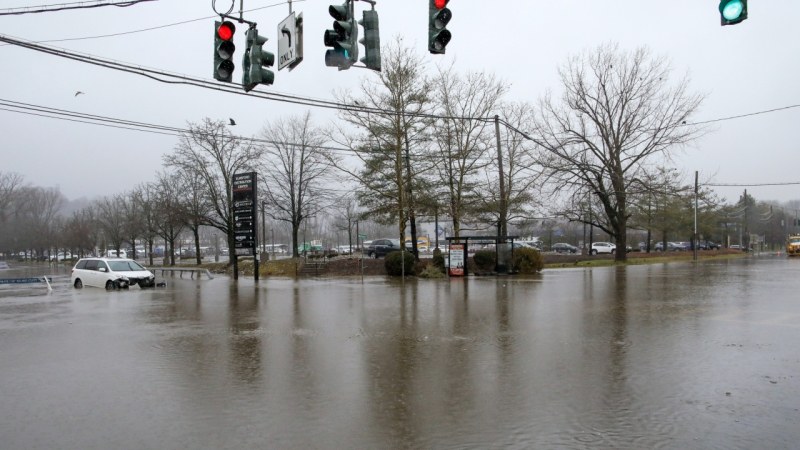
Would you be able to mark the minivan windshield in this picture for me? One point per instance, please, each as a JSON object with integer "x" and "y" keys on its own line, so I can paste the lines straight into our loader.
{"x": 125, "y": 265}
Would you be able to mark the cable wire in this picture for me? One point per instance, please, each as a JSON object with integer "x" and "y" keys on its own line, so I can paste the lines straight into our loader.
{"x": 67, "y": 6}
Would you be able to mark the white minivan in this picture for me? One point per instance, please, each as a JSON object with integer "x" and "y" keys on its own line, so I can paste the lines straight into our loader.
{"x": 111, "y": 273}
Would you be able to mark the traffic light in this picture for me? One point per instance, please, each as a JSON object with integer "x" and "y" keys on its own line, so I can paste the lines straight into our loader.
{"x": 343, "y": 37}
{"x": 732, "y": 11}
{"x": 223, "y": 50}
{"x": 254, "y": 60}
{"x": 371, "y": 40}
{"x": 438, "y": 17}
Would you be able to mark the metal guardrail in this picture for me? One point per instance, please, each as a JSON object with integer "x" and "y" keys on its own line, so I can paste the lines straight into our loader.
{"x": 28, "y": 280}
{"x": 182, "y": 270}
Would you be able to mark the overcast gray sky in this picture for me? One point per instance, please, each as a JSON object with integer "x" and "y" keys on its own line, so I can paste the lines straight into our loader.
{"x": 743, "y": 69}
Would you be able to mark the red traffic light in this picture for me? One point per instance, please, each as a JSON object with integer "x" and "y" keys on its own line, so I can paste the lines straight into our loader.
{"x": 439, "y": 4}
{"x": 225, "y": 31}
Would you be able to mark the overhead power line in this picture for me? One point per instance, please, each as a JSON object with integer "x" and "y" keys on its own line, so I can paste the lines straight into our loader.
{"x": 788, "y": 183}
{"x": 112, "y": 122}
{"x": 233, "y": 88}
{"x": 65, "y": 7}
{"x": 157, "y": 27}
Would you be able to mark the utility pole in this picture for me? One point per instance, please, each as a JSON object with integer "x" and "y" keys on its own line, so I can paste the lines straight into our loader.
{"x": 411, "y": 214}
{"x": 745, "y": 240}
{"x": 502, "y": 229}
{"x": 695, "y": 242}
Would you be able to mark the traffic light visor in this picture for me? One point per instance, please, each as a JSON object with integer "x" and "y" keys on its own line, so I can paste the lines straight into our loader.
{"x": 442, "y": 18}
{"x": 441, "y": 40}
{"x": 339, "y": 12}
{"x": 225, "y": 31}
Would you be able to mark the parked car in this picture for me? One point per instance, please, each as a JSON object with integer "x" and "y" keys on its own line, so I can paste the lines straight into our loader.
{"x": 671, "y": 246}
{"x": 345, "y": 249}
{"x": 111, "y": 273}
{"x": 603, "y": 247}
{"x": 518, "y": 245}
{"x": 115, "y": 254}
{"x": 683, "y": 246}
{"x": 707, "y": 245}
{"x": 563, "y": 247}
{"x": 381, "y": 247}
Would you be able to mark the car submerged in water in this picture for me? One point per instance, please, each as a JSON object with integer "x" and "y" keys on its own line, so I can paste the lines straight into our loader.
{"x": 793, "y": 245}
{"x": 111, "y": 273}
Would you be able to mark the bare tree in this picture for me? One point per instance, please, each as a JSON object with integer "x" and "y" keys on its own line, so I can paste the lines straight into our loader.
{"x": 296, "y": 172}
{"x": 112, "y": 220}
{"x": 617, "y": 111}
{"x": 196, "y": 206}
{"x": 38, "y": 210}
{"x": 215, "y": 154}
{"x": 170, "y": 213}
{"x": 81, "y": 233}
{"x": 462, "y": 137}
{"x": 346, "y": 217}
{"x": 147, "y": 195}
{"x": 10, "y": 184}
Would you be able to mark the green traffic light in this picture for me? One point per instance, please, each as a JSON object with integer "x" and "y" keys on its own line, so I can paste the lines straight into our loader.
{"x": 732, "y": 11}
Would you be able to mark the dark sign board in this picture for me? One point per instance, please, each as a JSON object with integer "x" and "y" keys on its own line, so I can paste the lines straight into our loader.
{"x": 245, "y": 202}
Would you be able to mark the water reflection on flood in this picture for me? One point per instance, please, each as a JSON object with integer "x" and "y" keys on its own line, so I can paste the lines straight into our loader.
{"x": 656, "y": 356}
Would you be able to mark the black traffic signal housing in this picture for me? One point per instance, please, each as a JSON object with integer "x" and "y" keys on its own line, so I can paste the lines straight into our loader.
{"x": 223, "y": 50}
{"x": 732, "y": 12}
{"x": 343, "y": 38}
{"x": 254, "y": 60}
{"x": 371, "y": 40}
{"x": 438, "y": 17}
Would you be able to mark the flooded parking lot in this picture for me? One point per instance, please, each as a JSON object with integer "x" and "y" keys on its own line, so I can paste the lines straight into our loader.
{"x": 653, "y": 356}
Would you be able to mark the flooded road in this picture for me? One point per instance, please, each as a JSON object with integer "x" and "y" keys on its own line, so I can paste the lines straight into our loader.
{"x": 654, "y": 356}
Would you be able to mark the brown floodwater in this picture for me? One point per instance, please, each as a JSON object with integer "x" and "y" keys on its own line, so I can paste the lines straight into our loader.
{"x": 654, "y": 356}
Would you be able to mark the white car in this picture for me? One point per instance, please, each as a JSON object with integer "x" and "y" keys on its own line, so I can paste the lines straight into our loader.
{"x": 111, "y": 273}
{"x": 603, "y": 247}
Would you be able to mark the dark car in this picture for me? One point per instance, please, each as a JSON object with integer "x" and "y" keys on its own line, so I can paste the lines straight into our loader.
{"x": 563, "y": 247}
{"x": 671, "y": 247}
{"x": 707, "y": 245}
{"x": 381, "y": 247}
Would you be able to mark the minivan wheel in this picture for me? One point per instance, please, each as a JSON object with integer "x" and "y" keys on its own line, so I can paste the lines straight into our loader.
{"x": 613, "y": 251}
{"x": 110, "y": 285}
{"x": 373, "y": 255}
{"x": 593, "y": 252}
{"x": 78, "y": 284}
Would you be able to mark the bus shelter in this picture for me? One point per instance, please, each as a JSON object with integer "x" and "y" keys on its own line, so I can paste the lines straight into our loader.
{"x": 459, "y": 248}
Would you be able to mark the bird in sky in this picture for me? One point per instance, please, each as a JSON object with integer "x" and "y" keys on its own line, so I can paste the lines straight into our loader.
{"x": 232, "y": 121}
{"x": 78, "y": 93}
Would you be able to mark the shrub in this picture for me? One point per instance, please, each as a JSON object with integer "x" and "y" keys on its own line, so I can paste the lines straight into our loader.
{"x": 527, "y": 260}
{"x": 397, "y": 263}
{"x": 438, "y": 259}
{"x": 484, "y": 260}
{"x": 431, "y": 271}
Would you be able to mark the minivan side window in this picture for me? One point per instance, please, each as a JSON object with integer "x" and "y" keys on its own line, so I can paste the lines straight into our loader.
{"x": 102, "y": 265}
{"x": 81, "y": 264}
{"x": 91, "y": 264}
